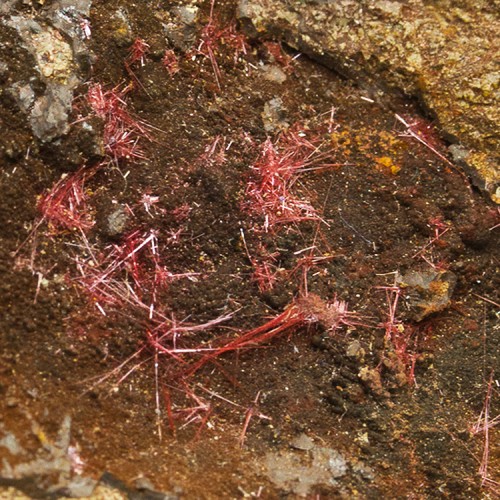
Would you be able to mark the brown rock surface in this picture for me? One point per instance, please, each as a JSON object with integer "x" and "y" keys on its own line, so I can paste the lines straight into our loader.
{"x": 441, "y": 53}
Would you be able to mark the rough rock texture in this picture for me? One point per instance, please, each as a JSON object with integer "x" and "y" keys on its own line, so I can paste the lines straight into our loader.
{"x": 55, "y": 462}
{"x": 298, "y": 474}
{"x": 57, "y": 63}
{"x": 443, "y": 53}
{"x": 6, "y": 6}
{"x": 427, "y": 292}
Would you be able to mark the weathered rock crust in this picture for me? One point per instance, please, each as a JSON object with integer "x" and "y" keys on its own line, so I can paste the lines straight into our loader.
{"x": 444, "y": 53}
